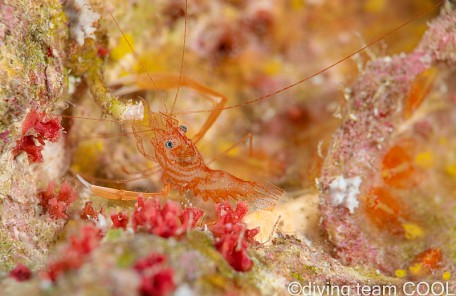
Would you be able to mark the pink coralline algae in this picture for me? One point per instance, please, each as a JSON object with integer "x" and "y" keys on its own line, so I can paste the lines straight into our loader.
{"x": 232, "y": 238}
{"x": 20, "y": 273}
{"x": 165, "y": 221}
{"x": 74, "y": 255}
{"x": 156, "y": 278}
{"x": 37, "y": 128}
{"x": 56, "y": 204}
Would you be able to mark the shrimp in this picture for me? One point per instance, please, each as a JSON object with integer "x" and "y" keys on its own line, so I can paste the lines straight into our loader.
{"x": 181, "y": 163}
{"x": 160, "y": 139}
{"x": 183, "y": 167}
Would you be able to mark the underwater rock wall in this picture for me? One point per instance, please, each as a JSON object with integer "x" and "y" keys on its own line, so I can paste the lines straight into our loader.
{"x": 398, "y": 112}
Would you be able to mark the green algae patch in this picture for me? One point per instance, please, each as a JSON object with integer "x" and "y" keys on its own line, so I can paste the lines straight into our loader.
{"x": 113, "y": 234}
{"x": 126, "y": 259}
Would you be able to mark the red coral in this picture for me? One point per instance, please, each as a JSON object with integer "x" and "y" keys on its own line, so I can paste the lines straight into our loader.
{"x": 76, "y": 252}
{"x": 226, "y": 215}
{"x": 27, "y": 144}
{"x": 153, "y": 259}
{"x": 156, "y": 279}
{"x": 56, "y": 206}
{"x": 165, "y": 221}
{"x": 103, "y": 51}
{"x": 89, "y": 240}
{"x": 232, "y": 238}
{"x": 47, "y": 128}
{"x": 20, "y": 273}
{"x": 88, "y": 212}
{"x": 158, "y": 284}
{"x": 190, "y": 215}
{"x": 37, "y": 128}
{"x": 120, "y": 220}
{"x": 56, "y": 209}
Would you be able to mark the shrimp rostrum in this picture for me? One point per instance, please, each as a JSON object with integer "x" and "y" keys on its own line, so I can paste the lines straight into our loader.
{"x": 161, "y": 139}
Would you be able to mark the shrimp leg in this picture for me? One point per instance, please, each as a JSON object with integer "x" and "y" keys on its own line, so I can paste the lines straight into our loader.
{"x": 118, "y": 194}
{"x": 147, "y": 81}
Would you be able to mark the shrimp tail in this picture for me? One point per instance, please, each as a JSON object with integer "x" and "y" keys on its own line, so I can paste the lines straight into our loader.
{"x": 220, "y": 186}
{"x": 264, "y": 196}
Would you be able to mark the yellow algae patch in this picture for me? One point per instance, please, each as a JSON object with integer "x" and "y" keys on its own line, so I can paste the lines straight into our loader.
{"x": 230, "y": 13}
{"x": 156, "y": 61}
{"x": 416, "y": 269}
{"x": 272, "y": 67}
{"x": 374, "y": 5}
{"x": 443, "y": 140}
{"x": 412, "y": 231}
{"x": 123, "y": 48}
{"x": 424, "y": 160}
{"x": 86, "y": 156}
{"x": 297, "y": 4}
{"x": 229, "y": 149}
{"x": 451, "y": 170}
{"x": 446, "y": 276}
{"x": 400, "y": 273}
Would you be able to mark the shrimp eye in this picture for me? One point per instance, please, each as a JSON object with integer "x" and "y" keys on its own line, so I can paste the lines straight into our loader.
{"x": 169, "y": 144}
{"x": 183, "y": 128}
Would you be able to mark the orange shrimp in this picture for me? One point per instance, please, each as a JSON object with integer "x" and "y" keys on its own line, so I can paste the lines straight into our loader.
{"x": 160, "y": 139}
{"x": 183, "y": 167}
{"x": 180, "y": 161}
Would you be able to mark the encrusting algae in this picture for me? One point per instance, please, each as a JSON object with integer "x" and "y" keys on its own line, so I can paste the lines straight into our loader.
{"x": 383, "y": 210}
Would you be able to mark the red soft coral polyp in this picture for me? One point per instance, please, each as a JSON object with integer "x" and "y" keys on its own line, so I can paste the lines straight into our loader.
{"x": 190, "y": 217}
{"x": 159, "y": 284}
{"x": 88, "y": 212}
{"x": 20, "y": 273}
{"x": 227, "y": 216}
{"x": 89, "y": 240}
{"x": 27, "y": 144}
{"x": 76, "y": 252}
{"x": 156, "y": 278}
{"x": 44, "y": 126}
{"x": 233, "y": 244}
{"x": 165, "y": 221}
{"x": 148, "y": 262}
{"x": 120, "y": 220}
{"x": 37, "y": 128}
{"x": 56, "y": 204}
{"x": 232, "y": 238}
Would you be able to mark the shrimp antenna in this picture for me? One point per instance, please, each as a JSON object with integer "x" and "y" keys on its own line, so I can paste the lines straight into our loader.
{"x": 141, "y": 64}
{"x": 182, "y": 58}
{"x": 273, "y": 230}
{"x": 412, "y": 19}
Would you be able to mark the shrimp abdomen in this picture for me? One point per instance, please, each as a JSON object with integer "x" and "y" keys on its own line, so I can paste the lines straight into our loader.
{"x": 221, "y": 186}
